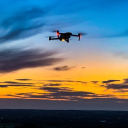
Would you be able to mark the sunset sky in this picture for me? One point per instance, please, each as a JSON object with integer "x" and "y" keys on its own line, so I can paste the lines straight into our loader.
{"x": 90, "y": 74}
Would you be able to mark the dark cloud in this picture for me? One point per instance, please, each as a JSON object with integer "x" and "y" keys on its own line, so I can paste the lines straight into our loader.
{"x": 55, "y": 89}
{"x": 73, "y": 93}
{"x": 9, "y": 95}
{"x": 63, "y": 68}
{"x": 102, "y": 86}
{"x": 62, "y": 93}
{"x": 10, "y": 82}
{"x": 16, "y": 59}
{"x": 66, "y": 95}
{"x": 94, "y": 82}
{"x": 121, "y": 91}
{"x": 109, "y": 81}
{"x": 117, "y": 86}
{"x": 125, "y": 81}
{"x": 51, "y": 85}
{"x": 68, "y": 81}
{"x": 3, "y": 86}
{"x": 120, "y": 87}
{"x": 15, "y": 85}
{"x": 24, "y": 23}
{"x": 23, "y": 79}
{"x": 83, "y": 82}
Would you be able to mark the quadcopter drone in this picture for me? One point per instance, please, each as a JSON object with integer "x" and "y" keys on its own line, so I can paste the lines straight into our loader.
{"x": 64, "y": 36}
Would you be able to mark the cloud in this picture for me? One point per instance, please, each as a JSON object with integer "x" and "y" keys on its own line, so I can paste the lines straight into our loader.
{"x": 15, "y": 85}
{"x": 73, "y": 93}
{"x": 22, "y": 24}
{"x": 13, "y": 82}
{"x": 23, "y": 79}
{"x": 68, "y": 81}
{"x": 109, "y": 81}
{"x": 62, "y": 93}
{"x": 51, "y": 85}
{"x": 120, "y": 87}
{"x": 10, "y": 82}
{"x": 125, "y": 81}
{"x": 3, "y": 86}
{"x": 117, "y": 86}
{"x": 55, "y": 89}
{"x": 102, "y": 86}
{"x": 63, "y": 68}
{"x": 16, "y": 59}
{"x": 94, "y": 82}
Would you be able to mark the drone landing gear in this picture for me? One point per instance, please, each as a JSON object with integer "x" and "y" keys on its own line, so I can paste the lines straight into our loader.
{"x": 49, "y": 38}
{"x": 67, "y": 40}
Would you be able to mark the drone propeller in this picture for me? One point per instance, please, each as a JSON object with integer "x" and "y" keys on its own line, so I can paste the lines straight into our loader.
{"x": 57, "y": 32}
{"x": 80, "y": 34}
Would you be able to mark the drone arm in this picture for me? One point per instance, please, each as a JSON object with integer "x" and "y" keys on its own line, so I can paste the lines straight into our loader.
{"x": 75, "y": 35}
{"x": 54, "y": 38}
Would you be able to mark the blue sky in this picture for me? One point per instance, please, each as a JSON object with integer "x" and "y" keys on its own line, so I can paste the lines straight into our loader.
{"x": 108, "y": 18}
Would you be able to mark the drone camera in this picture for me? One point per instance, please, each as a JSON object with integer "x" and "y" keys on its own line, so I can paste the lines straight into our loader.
{"x": 63, "y": 39}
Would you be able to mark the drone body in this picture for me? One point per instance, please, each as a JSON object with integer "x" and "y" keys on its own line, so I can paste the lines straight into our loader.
{"x": 64, "y": 36}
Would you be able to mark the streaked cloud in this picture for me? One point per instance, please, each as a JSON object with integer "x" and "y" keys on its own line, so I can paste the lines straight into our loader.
{"x": 94, "y": 82}
{"x": 109, "y": 81}
{"x": 63, "y": 68}
{"x": 15, "y": 85}
{"x": 23, "y": 24}
{"x": 117, "y": 86}
{"x": 23, "y": 79}
{"x": 16, "y": 59}
{"x": 68, "y": 81}
{"x": 50, "y": 84}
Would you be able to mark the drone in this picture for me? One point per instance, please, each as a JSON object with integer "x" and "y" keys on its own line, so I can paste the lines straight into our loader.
{"x": 64, "y": 36}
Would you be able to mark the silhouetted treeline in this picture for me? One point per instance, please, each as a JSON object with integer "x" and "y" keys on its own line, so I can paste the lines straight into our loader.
{"x": 63, "y": 119}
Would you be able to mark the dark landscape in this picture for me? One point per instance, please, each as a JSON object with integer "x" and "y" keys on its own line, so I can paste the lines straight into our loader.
{"x": 62, "y": 119}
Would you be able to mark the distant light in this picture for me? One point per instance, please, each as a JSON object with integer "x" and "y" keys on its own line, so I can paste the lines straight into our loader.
{"x": 63, "y": 39}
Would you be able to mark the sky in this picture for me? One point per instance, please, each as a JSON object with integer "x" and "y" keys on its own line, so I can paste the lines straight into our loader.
{"x": 91, "y": 74}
